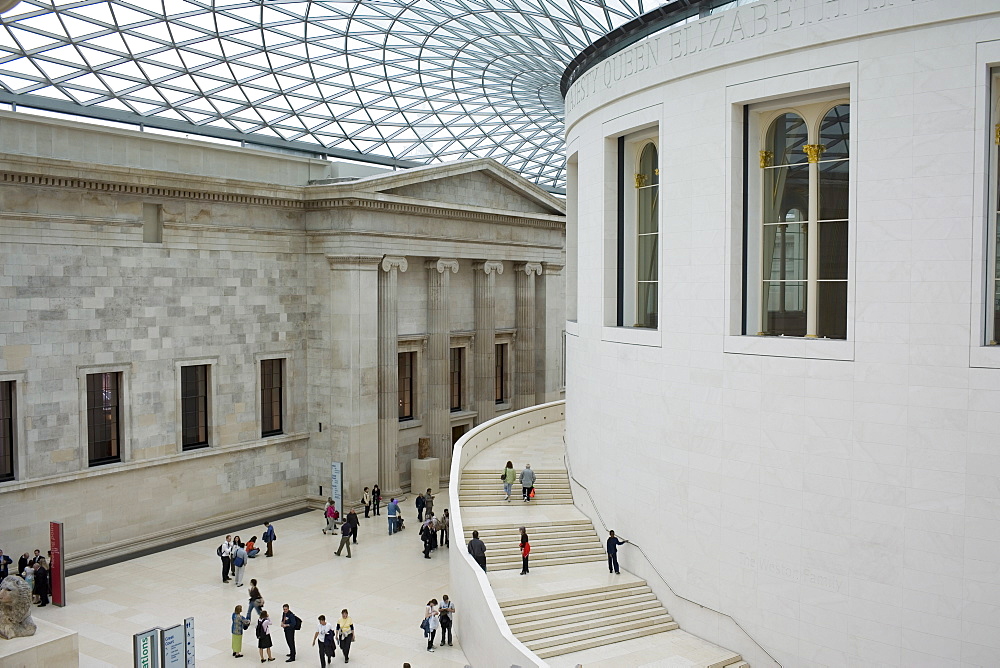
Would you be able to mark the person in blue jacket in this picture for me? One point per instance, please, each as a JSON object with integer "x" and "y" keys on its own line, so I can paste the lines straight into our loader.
{"x": 613, "y": 543}
{"x": 392, "y": 510}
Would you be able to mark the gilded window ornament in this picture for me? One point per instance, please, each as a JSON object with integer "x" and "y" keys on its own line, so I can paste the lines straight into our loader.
{"x": 814, "y": 151}
{"x": 640, "y": 180}
{"x": 766, "y": 159}
{"x": 996, "y": 134}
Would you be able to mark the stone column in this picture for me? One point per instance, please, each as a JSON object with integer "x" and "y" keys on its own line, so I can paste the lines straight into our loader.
{"x": 524, "y": 353}
{"x": 438, "y": 359}
{"x": 342, "y": 376}
{"x": 388, "y": 373}
{"x": 484, "y": 352}
{"x": 550, "y": 308}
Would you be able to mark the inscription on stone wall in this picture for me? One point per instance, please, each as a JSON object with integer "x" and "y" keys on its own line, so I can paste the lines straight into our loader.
{"x": 727, "y": 27}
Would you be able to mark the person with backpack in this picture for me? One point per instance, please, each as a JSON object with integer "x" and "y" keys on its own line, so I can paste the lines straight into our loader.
{"x": 446, "y": 613}
{"x": 269, "y": 537}
{"x": 264, "y": 636}
{"x": 421, "y": 504}
{"x": 345, "y": 633}
{"x": 256, "y": 600}
{"x": 325, "y": 635}
{"x": 225, "y": 552}
{"x": 290, "y": 623}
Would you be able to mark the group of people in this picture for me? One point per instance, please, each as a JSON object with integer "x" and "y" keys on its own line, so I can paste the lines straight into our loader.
{"x": 329, "y": 636}
{"x": 35, "y": 571}
{"x": 527, "y": 479}
{"x": 438, "y": 616}
{"x": 434, "y": 530}
{"x": 235, "y": 553}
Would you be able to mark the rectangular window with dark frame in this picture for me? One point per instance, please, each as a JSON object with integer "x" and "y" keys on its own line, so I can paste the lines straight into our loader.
{"x": 405, "y": 387}
{"x": 272, "y": 378}
{"x": 7, "y": 449}
{"x": 194, "y": 407}
{"x": 103, "y": 418}
{"x": 500, "y": 377}
{"x": 456, "y": 379}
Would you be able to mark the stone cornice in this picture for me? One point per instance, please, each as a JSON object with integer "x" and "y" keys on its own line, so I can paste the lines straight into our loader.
{"x": 458, "y": 212}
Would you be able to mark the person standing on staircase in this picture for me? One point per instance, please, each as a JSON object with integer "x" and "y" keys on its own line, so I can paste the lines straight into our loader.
{"x": 509, "y": 476}
{"x": 525, "y": 551}
{"x": 477, "y": 549}
{"x": 613, "y": 543}
{"x": 527, "y": 482}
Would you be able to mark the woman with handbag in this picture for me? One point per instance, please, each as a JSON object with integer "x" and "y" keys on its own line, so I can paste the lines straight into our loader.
{"x": 240, "y": 624}
{"x": 331, "y": 515}
{"x": 430, "y": 623}
{"x": 345, "y": 633}
{"x": 508, "y": 476}
{"x": 256, "y": 600}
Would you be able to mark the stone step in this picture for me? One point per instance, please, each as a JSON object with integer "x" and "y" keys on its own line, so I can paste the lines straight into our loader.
{"x": 614, "y": 587}
{"x": 639, "y": 627}
{"x": 595, "y": 611}
{"x": 487, "y": 487}
{"x": 599, "y": 640}
{"x": 510, "y": 564}
{"x": 536, "y": 525}
{"x": 597, "y": 603}
{"x": 539, "y": 551}
{"x": 555, "y": 628}
{"x": 509, "y": 533}
{"x": 498, "y": 499}
{"x": 537, "y": 501}
{"x": 738, "y": 663}
{"x": 496, "y": 474}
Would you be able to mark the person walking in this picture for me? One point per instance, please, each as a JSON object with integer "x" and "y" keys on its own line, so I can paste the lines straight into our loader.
{"x": 391, "y": 510}
{"x": 240, "y": 557}
{"x": 42, "y": 583}
{"x": 240, "y": 624}
{"x": 527, "y": 482}
{"x": 508, "y": 476}
{"x": 431, "y": 617}
{"x": 376, "y": 498}
{"x": 525, "y": 551}
{"x": 225, "y": 552}
{"x": 421, "y": 504}
{"x": 345, "y": 633}
{"x": 426, "y": 535}
{"x": 613, "y": 543}
{"x": 269, "y": 537}
{"x": 264, "y": 636}
{"x": 324, "y": 633}
{"x": 446, "y": 613}
{"x": 256, "y": 600}
{"x": 331, "y": 515}
{"x": 290, "y": 623}
{"x": 477, "y": 549}
{"x": 366, "y": 501}
{"x": 346, "y": 529}
{"x": 443, "y": 523}
{"x": 428, "y": 501}
{"x": 352, "y": 519}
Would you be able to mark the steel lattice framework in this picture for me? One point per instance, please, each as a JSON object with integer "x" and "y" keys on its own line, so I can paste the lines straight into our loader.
{"x": 407, "y": 82}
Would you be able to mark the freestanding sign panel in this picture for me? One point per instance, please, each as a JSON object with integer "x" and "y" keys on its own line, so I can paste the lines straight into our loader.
{"x": 189, "y": 640}
{"x": 173, "y": 652}
{"x": 337, "y": 487}
{"x": 146, "y": 649}
{"x": 57, "y": 572}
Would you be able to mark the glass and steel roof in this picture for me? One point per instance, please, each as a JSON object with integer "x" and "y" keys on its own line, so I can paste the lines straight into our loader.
{"x": 400, "y": 82}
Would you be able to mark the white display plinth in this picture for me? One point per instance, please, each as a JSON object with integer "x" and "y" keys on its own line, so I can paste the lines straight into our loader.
{"x": 425, "y": 473}
{"x": 50, "y": 646}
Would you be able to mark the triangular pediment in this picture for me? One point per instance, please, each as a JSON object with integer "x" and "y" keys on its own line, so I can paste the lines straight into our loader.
{"x": 474, "y": 183}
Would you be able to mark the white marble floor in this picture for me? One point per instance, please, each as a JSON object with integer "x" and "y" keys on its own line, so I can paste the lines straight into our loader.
{"x": 385, "y": 586}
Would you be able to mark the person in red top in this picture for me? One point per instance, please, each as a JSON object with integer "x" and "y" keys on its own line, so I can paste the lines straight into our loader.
{"x": 525, "y": 550}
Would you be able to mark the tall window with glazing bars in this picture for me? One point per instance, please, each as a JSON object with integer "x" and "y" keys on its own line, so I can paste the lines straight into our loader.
{"x": 804, "y": 222}
{"x": 647, "y": 234}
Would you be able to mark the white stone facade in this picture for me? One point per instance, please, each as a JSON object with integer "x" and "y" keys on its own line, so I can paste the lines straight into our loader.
{"x": 839, "y": 498}
{"x": 247, "y": 256}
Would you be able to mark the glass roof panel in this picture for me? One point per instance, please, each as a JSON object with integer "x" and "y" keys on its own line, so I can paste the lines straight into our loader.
{"x": 421, "y": 80}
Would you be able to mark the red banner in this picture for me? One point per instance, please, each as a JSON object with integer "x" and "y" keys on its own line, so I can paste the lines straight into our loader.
{"x": 57, "y": 574}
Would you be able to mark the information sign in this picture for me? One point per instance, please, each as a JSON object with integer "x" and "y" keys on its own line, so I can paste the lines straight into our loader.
{"x": 146, "y": 649}
{"x": 57, "y": 572}
{"x": 189, "y": 640}
{"x": 173, "y": 650}
{"x": 337, "y": 487}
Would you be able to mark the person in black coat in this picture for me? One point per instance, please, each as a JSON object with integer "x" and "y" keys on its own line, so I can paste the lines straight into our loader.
{"x": 22, "y": 563}
{"x": 41, "y": 583}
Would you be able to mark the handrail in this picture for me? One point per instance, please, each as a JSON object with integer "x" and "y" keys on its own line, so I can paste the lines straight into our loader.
{"x": 569, "y": 470}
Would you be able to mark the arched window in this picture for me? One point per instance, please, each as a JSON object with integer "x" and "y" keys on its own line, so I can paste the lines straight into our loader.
{"x": 647, "y": 228}
{"x": 804, "y": 222}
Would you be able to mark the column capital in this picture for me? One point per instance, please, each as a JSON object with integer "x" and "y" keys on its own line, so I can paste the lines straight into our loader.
{"x": 488, "y": 266}
{"x": 345, "y": 262}
{"x": 552, "y": 269}
{"x": 390, "y": 262}
{"x": 442, "y": 265}
{"x": 529, "y": 268}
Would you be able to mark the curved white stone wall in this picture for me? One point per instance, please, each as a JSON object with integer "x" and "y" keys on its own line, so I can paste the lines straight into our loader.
{"x": 840, "y": 499}
{"x": 486, "y": 638}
